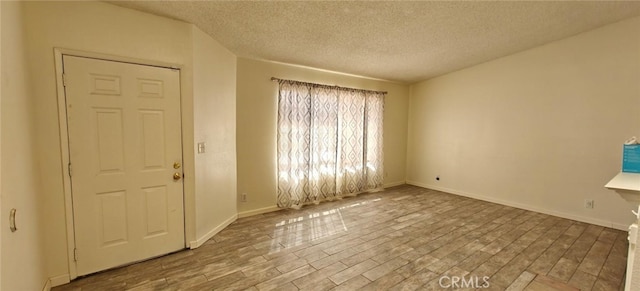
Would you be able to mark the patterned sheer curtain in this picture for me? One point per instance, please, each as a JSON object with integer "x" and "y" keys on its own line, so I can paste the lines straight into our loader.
{"x": 329, "y": 142}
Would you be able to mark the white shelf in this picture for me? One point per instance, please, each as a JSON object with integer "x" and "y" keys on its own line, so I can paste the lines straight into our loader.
{"x": 627, "y": 185}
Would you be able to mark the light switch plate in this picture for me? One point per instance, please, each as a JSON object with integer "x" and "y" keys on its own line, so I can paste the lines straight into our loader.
{"x": 201, "y": 147}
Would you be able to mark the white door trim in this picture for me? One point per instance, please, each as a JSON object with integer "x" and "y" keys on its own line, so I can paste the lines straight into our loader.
{"x": 64, "y": 140}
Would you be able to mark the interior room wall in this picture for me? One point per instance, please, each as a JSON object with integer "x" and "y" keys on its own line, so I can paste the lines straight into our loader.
{"x": 214, "y": 94}
{"x": 256, "y": 126}
{"x": 541, "y": 129}
{"x": 100, "y": 28}
{"x": 0, "y": 143}
{"x": 22, "y": 259}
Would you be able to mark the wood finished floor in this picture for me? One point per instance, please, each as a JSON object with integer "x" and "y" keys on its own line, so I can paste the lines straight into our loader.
{"x": 404, "y": 238}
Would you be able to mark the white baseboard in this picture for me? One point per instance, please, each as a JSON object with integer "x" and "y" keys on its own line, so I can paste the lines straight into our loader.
{"x": 620, "y": 226}
{"x": 197, "y": 243}
{"x": 47, "y": 285}
{"x": 258, "y": 211}
{"x": 276, "y": 208}
{"x": 57, "y": 281}
{"x": 393, "y": 184}
{"x": 524, "y": 206}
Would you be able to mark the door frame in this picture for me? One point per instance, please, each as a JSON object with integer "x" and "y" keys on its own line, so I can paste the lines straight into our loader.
{"x": 187, "y": 156}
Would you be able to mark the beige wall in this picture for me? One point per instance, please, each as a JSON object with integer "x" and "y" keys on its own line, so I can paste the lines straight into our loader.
{"x": 214, "y": 94}
{"x": 541, "y": 129}
{"x": 102, "y": 28}
{"x": 23, "y": 266}
{"x": 107, "y": 29}
{"x": 256, "y": 126}
{"x": 0, "y": 144}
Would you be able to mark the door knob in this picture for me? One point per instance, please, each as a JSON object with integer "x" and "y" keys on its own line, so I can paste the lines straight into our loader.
{"x": 176, "y": 165}
{"x": 177, "y": 176}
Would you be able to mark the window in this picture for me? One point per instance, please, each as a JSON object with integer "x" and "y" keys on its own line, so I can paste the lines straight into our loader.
{"x": 329, "y": 142}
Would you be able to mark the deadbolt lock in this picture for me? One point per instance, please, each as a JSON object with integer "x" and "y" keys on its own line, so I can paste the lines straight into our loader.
{"x": 176, "y": 165}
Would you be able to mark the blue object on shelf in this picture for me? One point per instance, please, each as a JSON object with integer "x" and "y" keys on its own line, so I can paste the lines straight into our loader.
{"x": 631, "y": 158}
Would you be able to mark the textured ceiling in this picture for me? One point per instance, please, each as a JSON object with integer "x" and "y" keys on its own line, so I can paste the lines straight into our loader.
{"x": 395, "y": 40}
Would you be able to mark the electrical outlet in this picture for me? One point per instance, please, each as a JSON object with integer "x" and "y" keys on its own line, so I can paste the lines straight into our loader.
{"x": 588, "y": 203}
{"x": 243, "y": 197}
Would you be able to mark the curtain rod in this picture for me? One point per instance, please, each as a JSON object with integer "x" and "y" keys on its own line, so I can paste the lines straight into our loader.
{"x": 328, "y": 86}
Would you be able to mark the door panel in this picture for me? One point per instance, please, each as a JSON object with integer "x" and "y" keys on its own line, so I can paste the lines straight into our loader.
{"x": 152, "y": 135}
{"x": 112, "y": 218}
{"x": 124, "y": 138}
{"x": 108, "y": 125}
{"x": 156, "y": 211}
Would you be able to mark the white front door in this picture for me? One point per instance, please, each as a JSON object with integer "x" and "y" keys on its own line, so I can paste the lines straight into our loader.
{"x": 125, "y": 152}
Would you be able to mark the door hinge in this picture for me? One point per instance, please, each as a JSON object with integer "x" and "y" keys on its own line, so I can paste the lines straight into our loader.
{"x": 75, "y": 254}
{"x": 70, "y": 172}
{"x": 64, "y": 79}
